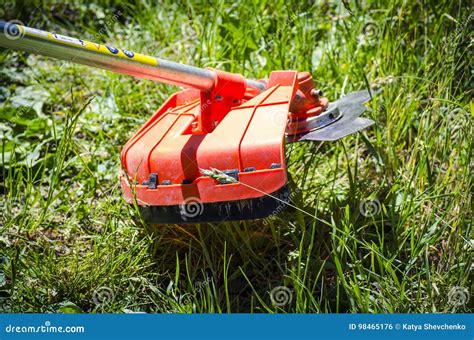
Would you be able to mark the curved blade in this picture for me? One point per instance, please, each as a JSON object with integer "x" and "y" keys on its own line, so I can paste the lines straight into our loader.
{"x": 351, "y": 107}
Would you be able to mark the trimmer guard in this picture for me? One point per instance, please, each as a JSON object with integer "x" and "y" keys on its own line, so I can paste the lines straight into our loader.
{"x": 162, "y": 161}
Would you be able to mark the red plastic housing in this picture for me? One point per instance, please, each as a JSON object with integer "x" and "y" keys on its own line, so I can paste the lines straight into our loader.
{"x": 229, "y": 128}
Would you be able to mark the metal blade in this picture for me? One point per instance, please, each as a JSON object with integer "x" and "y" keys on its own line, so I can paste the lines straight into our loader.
{"x": 351, "y": 107}
{"x": 338, "y": 130}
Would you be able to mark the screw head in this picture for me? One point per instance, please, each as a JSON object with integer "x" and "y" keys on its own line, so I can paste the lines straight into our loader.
{"x": 317, "y": 93}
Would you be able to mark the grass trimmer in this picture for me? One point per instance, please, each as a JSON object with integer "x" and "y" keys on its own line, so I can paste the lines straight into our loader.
{"x": 214, "y": 151}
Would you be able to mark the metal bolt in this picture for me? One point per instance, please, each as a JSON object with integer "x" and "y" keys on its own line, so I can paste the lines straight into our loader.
{"x": 317, "y": 93}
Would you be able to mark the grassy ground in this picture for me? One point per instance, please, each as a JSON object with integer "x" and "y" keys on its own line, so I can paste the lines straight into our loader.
{"x": 390, "y": 209}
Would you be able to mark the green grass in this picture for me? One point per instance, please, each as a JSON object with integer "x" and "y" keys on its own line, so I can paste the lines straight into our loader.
{"x": 69, "y": 242}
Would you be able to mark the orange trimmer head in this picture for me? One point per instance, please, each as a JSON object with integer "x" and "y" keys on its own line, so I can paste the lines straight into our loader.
{"x": 213, "y": 152}
{"x": 238, "y": 133}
